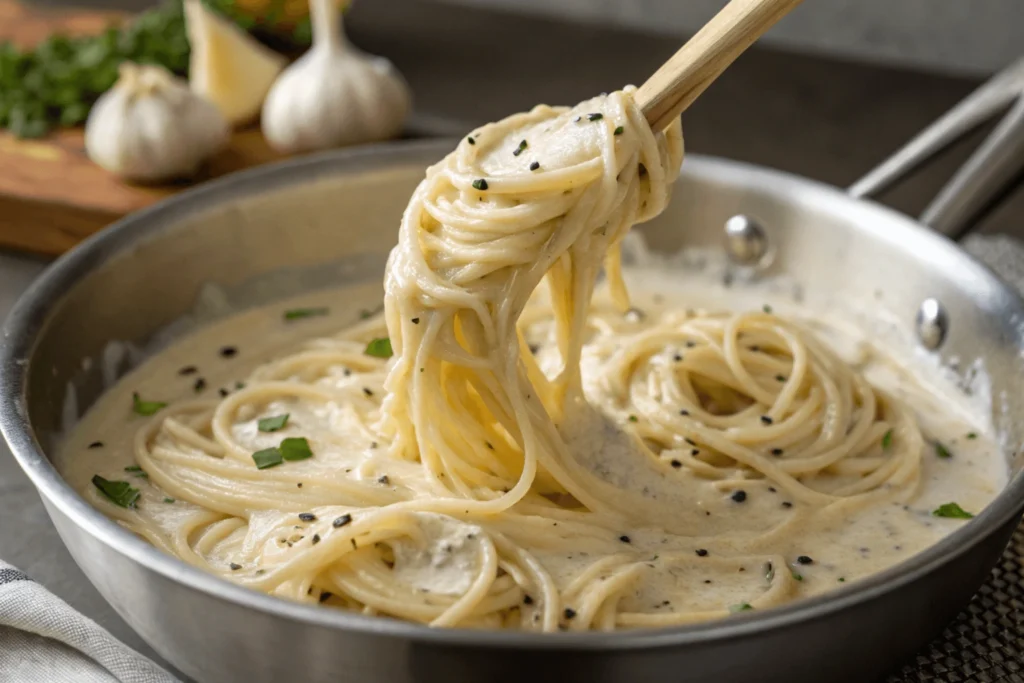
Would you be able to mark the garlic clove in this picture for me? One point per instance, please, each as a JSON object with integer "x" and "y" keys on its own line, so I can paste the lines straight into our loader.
{"x": 227, "y": 65}
{"x": 334, "y": 95}
{"x": 150, "y": 127}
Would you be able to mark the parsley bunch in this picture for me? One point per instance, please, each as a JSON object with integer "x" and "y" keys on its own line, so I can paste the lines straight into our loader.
{"x": 57, "y": 82}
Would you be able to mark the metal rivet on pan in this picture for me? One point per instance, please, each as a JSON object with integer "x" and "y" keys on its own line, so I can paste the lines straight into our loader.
{"x": 745, "y": 240}
{"x": 932, "y": 323}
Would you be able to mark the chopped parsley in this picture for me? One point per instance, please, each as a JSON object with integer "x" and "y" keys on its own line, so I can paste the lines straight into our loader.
{"x": 295, "y": 448}
{"x": 146, "y": 408}
{"x": 952, "y": 510}
{"x": 520, "y": 149}
{"x": 480, "y": 184}
{"x": 272, "y": 424}
{"x": 597, "y": 116}
{"x": 118, "y": 492}
{"x": 169, "y": 500}
{"x": 268, "y": 457}
{"x": 887, "y": 440}
{"x": 620, "y": 130}
{"x": 633, "y": 418}
{"x": 470, "y": 140}
{"x": 972, "y": 435}
{"x": 741, "y": 607}
{"x": 796, "y": 576}
{"x": 379, "y": 348}
{"x": 766, "y": 308}
{"x": 299, "y": 313}
{"x": 942, "y": 451}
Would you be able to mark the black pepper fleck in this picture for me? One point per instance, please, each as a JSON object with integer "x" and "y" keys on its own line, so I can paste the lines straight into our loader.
{"x": 223, "y": 392}
{"x": 739, "y": 496}
{"x": 625, "y": 539}
{"x": 199, "y": 385}
{"x": 188, "y": 370}
{"x": 96, "y": 444}
{"x": 341, "y": 521}
{"x": 701, "y": 552}
{"x": 307, "y": 516}
{"x": 229, "y": 351}
{"x": 766, "y": 420}
{"x": 235, "y": 566}
{"x": 676, "y": 464}
{"x": 316, "y": 538}
{"x": 367, "y": 391}
{"x": 415, "y": 321}
{"x": 534, "y": 166}
{"x": 325, "y": 596}
{"x": 786, "y": 504}
{"x": 569, "y": 613}
{"x": 527, "y": 600}
{"x": 804, "y": 559}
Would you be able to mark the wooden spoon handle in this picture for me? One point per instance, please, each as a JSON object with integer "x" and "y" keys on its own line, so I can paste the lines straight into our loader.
{"x": 674, "y": 86}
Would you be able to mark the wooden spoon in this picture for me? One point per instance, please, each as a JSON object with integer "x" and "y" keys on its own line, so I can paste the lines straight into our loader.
{"x": 674, "y": 87}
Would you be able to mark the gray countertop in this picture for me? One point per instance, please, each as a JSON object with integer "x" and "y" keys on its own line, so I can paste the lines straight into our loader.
{"x": 821, "y": 118}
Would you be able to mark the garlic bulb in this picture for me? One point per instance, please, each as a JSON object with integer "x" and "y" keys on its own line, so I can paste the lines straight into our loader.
{"x": 150, "y": 127}
{"x": 334, "y": 95}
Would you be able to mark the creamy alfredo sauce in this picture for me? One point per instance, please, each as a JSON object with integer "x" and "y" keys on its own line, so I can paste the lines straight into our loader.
{"x": 959, "y": 462}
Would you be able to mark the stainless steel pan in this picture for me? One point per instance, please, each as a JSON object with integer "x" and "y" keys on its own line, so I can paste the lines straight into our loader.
{"x": 331, "y": 219}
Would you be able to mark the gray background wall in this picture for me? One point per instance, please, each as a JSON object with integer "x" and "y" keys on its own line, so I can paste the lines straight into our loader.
{"x": 955, "y": 36}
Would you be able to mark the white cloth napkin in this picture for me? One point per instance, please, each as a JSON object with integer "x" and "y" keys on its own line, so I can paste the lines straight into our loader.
{"x": 44, "y": 640}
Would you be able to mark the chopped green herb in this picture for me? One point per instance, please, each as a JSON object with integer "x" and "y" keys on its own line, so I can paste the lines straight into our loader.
{"x": 796, "y": 576}
{"x": 742, "y": 607}
{"x": 972, "y": 435}
{"x": 295, "y": 448}
{"x": 118, "y": 492}
{"x": 520, "y": 149}
{"x": 633, "y": 418}
{"x": 146, "y": 408}
{"x": 298, "y": 313}
{"x": 480, "y": 184}
{"x": 268, "y": 457}
{"x": 952, "y": 510}
{"x": 887, "y": 440}
{"x": 133, "y": 468}
{"x": 272, "y": 424}
{"x": 379, "y": 348}
{"x": 942, "y": 451}
{"x": 766, "y": 308}
{"x": 620, "y": 130}
{"x": 470, "y": 140}
{"x": 169, "y": 500}
{"x": 597, "y": 116}
{"x": 841, "y": 579}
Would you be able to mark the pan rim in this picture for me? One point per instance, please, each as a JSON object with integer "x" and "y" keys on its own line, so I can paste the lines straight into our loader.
{"x": 25, "y": 322}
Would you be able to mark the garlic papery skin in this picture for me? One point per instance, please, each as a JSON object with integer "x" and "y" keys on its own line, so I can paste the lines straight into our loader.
{"x": 151, "y": 127}
{"x": 334, "y": 95}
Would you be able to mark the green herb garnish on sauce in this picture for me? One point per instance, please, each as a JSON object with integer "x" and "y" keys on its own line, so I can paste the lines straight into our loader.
{"x": 146, "y": 408}
{"x": 942, "y": 451}
{"x": 952, "y": 510}
{"x": 268, "y": 457}
{"x": 299, "y": 313}
{"x": 742, "y": 607}
{"x": 272, "y": 424}
{"x": 379, "y": 348}
{"x": 118, "y": 492}
{"x": 295, "y": 448}
{"x": 887, "y": 440}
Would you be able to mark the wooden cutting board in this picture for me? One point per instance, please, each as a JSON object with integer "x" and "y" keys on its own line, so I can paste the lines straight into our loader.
{"x": 51, "y": 195}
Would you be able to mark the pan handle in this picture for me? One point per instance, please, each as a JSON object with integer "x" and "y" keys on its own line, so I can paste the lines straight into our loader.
{"x": 988, "y": 173}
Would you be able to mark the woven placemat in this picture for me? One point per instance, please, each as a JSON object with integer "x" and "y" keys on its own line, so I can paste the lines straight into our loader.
{"x": 985, "y": 643}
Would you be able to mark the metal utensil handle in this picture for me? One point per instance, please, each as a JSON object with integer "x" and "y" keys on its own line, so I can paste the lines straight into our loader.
{"x": 985, "y": 175}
